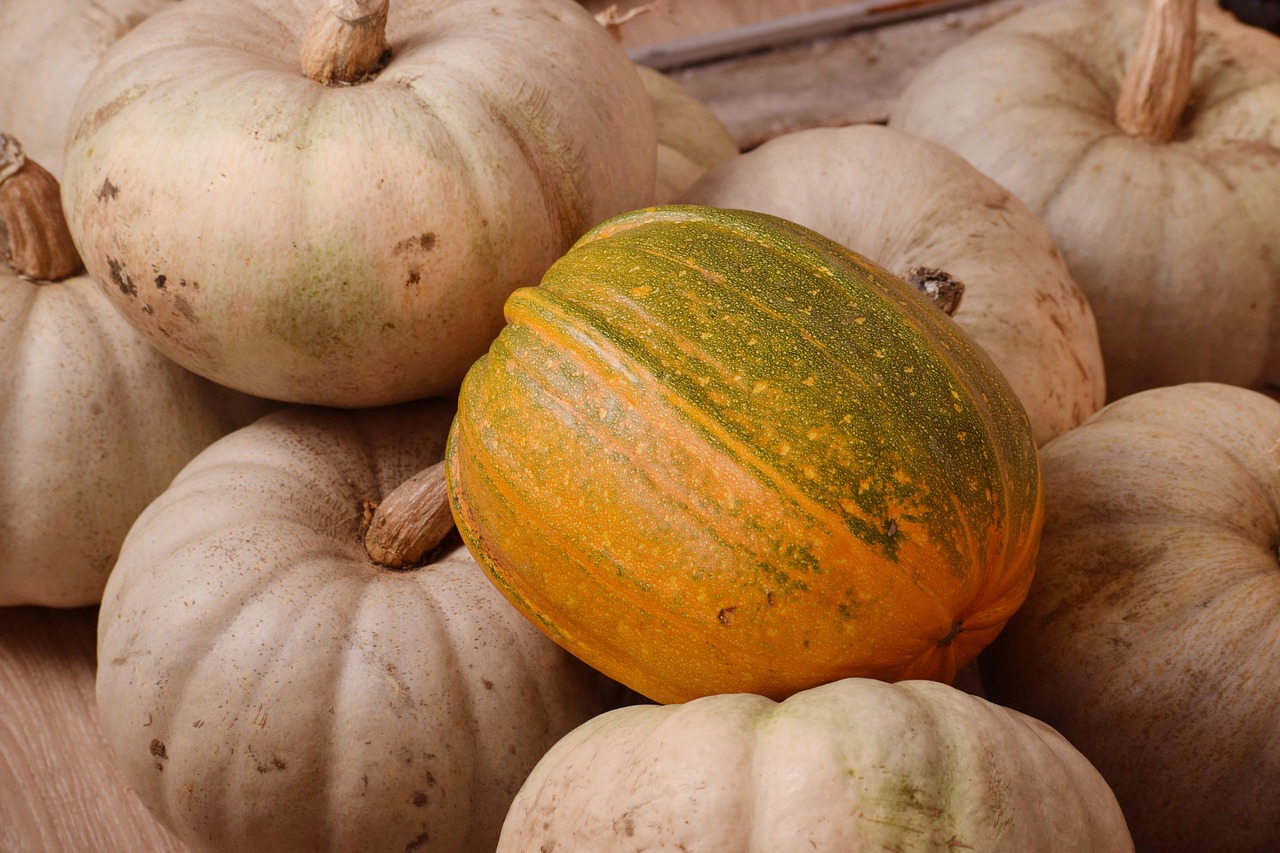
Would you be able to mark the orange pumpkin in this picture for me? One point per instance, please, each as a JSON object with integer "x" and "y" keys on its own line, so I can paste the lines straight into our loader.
{"x": 716, "y": 452}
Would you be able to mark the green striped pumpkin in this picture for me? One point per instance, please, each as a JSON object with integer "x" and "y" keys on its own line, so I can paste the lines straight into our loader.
{"x": 716, "y": 452}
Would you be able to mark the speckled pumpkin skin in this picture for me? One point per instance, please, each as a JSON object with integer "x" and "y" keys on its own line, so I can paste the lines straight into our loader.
{"x": 716, "y": 452}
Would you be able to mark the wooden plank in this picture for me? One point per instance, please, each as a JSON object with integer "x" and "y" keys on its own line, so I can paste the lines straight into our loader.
{"x": 651, "y": 22}
{"x": 851, "y": 78}
{"x": 683, "y": 47}
{"x": 60, "y": 789}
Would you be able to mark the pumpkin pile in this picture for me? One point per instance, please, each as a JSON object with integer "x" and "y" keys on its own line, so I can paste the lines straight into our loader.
{"x": 452, "y": 442}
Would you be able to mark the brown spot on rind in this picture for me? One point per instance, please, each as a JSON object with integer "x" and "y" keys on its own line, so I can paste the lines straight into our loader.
{"x": 726, "y": 615}
{"x": 107, "y": 191}
{"x": 424, "y": 242}
{"x": 116, "y": 270}
{"x": 158, "y": 749}
{"x": 417, "y": 842}
{"x": 420, "y": 799}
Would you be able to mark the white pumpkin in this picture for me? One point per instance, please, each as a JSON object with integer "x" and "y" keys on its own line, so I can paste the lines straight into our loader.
{"x": 266, "y": 685}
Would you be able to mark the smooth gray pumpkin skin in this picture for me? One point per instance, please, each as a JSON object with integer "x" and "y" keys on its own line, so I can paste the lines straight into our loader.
{"x": 903, "y": 201}
{"x": 856, "y": 764}
{"x": 265, "y": 686}
{"x": 352, "y": 245}
{"x": 1173, "y": 243}
{"x": 1149, "y": 635}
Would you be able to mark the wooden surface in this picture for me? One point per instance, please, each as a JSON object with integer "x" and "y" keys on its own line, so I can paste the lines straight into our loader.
{"x": 59, "y": 789}
{"x": 847, "y": 79}
{"x": 654, "y": 21}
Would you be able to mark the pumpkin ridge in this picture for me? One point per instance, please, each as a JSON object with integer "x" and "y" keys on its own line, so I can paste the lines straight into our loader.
{"x": 755, "y": 464}
{"x": 868, "y": 533}
{"x": 600, "y": 346}
{"x": 545, "y": 395}
{"x": 518, "y": 509}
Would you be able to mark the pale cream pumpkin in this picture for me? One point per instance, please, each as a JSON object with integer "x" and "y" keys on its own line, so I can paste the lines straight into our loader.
{"x": 1148, "y": 145}
{"x": 62, "y": 789}
{"x": 852, "y": 765}
{"x": 266, "y": 685}
{"x": 348, "y": 242}
{"x": 1148, "y": 637}
{"x": 908, "y": 203}
{"x": 691, "y": 138}
{"x": 50, "y": 46}
{"x": 94, "y": 422}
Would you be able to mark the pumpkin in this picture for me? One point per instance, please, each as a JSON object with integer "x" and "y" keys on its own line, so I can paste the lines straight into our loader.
{"x": 50, "y": 48}
{"x": 853, "y": 765}
{"x": 1146, "y": 142}
{"x": 346, "y": 236}
{"x": 1148, "y": 636}
{"x": 267, "y": 684}
{"x": 62, "y": 789}
{"x": 691, "y": 138}
{"x": 907, "y": 203}
{"x": 94, "y": 422}
{"x": 716, "y": 452}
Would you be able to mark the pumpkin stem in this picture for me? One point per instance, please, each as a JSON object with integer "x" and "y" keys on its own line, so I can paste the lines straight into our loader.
{"x": 346, "y": 42}
{"x": 1157, "y": 83}
{"x": 942, "y": 287}
{"x": 33, "y": 231}
{"x": 411, "y": 521}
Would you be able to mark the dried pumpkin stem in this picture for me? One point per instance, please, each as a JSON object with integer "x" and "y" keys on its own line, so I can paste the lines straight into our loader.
{"x": 941, "y": 286}
{"x": 411, "y": 521}
{"x": 346, "y": 42}
{"x": 1157, "y": 83}
{"x": 33, "y": 231}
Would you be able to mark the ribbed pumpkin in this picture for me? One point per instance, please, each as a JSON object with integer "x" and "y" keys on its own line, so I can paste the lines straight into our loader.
{"x": 716, "y": 452}
{"x": 267, "y": 683}
{"x": 856, "y": 765}
{"x": 280, "y": 217}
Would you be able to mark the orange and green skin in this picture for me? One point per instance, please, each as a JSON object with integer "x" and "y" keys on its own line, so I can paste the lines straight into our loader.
{"x": 715, "y": 452}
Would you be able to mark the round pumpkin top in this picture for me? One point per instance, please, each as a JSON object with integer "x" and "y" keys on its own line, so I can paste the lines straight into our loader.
{"x": 1171, "y": 238}
{"x": 348, "y": 245}
{"x": 714, "y": 451}
{"x": 852, "y": 765}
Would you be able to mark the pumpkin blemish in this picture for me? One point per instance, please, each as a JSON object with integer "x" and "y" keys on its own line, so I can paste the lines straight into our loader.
{"x": 107, "y": 191}
{"x": 121, "y": 278}
{"x": 158, "y": 749}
